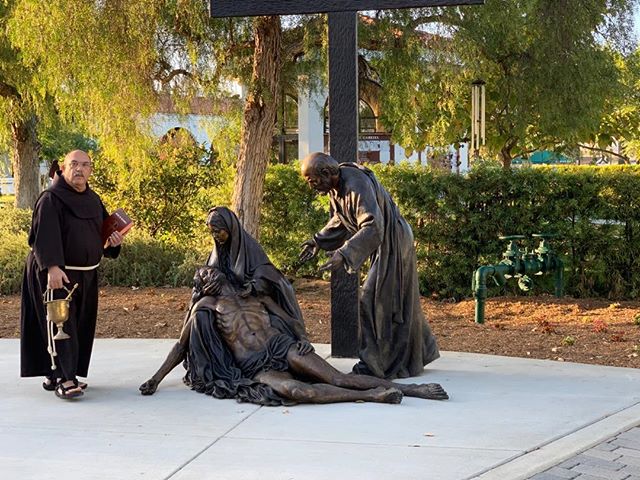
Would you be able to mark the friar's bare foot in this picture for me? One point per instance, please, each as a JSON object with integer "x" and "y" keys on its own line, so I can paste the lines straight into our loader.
{"x": 429, "y": 391}
{"x": 149, "y": 387}
{"x": 386, "y": 395}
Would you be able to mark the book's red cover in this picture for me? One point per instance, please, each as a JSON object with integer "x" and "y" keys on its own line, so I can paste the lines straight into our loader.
{"x": 117, "y": 221}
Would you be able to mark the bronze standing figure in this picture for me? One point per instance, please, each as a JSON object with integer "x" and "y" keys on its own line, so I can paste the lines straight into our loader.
{"x": 395, "y": 339}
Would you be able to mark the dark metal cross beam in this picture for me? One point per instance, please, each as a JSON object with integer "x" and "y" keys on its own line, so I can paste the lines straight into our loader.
{"x": 343, "y": 115}
{"x": 251, "y": 8}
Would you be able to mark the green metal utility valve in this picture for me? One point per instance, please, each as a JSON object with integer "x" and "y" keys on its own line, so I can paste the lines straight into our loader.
{"x": 518, "y": 264}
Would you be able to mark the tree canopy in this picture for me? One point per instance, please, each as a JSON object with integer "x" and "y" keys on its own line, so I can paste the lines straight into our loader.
{"x": 554, "y": 71}
{"x": 105, "y": 64}
{"x": 558, "y": 74}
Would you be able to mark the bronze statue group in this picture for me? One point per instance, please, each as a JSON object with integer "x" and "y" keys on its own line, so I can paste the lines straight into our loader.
{"x": 243, "y": 335}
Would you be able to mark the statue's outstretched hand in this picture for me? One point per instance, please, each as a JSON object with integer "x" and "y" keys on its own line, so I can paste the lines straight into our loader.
{"x": 309, "y": 250}
{"x": 335, "y": 262}
{"x": 304, "y": 347}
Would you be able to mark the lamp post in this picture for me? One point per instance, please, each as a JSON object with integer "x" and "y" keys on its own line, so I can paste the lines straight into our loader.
{"x": 478, "y": 109}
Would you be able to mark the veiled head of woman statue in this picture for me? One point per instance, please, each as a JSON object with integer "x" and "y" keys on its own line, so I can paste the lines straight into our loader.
{"x": 217, "y": 226}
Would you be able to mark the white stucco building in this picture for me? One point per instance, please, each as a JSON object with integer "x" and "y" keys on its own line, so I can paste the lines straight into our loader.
{"x": 305, "y": 130}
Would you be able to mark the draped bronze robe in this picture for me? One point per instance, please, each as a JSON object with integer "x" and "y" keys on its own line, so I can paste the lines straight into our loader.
{"x": 395, "y": 339}
{"x": 247, "y": 262}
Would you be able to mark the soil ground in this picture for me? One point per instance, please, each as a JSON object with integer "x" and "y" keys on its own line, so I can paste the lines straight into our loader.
{"x": 593, "y": 331}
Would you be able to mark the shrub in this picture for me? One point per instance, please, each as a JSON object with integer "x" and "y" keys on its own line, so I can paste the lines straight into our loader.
{"x": 182, "y": 275}
{"x": 145, "y": 261}
{"x": 457, "y": 221}
{"x": 14, "y": 220}
{"x": 14, "y": 227}
{"x": 291, "y": 213}
{"x": 13, "y": 252}
{"x": 166, "y": 192}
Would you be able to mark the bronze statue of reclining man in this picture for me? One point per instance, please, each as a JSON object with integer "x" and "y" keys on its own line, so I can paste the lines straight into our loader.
{"x": 240, "y": 338}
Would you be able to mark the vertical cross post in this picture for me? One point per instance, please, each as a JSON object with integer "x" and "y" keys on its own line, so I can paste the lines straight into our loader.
{"x": 343, "y": 114}
{"x": 343, "y": 146}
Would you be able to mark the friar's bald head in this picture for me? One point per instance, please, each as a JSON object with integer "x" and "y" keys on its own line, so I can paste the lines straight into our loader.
{"x": 321, "y": 171}
{"x": 76, "y": 169}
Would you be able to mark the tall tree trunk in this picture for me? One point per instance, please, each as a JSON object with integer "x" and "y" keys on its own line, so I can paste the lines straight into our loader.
{"x": 258, "y": 122}
{"x": 505, "y": 152}
{"x": 25, "y": 160}
{"x": 506, "y": 158}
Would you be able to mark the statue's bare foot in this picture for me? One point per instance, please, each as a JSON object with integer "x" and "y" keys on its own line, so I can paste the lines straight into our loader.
{"x": 429, "y": 391}
{"x": 386, "y": 395}
{"x": 149, "y": 387}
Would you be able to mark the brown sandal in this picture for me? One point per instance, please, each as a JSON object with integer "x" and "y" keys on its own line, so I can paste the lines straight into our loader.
{"x": 67, "y": 393}
{"x": 81, "y": 385}
{"x": 50, "y": 383}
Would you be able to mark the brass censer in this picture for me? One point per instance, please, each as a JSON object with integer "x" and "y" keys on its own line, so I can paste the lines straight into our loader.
{"x": 58, "y": 310}
{"x": 57, "y": 313}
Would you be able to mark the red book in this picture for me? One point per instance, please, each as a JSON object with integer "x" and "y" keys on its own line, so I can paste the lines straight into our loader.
{"x": 117, "y": 221}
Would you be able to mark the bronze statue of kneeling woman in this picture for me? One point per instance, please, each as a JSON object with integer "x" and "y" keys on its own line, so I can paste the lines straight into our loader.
{"x": 235, "y": 350}
{"x": 243, "y": 261}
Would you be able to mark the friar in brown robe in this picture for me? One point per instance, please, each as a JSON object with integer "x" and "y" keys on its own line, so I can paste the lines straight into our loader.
{"x": 395, "y": 338}
{"x": 66, "y": 248}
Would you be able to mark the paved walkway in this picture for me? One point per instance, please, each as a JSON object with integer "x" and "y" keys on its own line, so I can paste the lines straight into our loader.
{"x": 507, "y": 419}
{"x": 618, "y": 458}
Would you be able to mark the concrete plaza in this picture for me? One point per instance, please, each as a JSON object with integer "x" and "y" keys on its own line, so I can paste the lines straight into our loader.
{"x": 507, "y": 419}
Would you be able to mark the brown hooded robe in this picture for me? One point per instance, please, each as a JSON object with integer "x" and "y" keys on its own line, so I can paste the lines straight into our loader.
{"x": 66, "y": 229}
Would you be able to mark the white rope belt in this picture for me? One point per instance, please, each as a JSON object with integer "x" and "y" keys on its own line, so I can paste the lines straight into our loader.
{"x": 84, "y": 269}
{"x": 51, "y": 343}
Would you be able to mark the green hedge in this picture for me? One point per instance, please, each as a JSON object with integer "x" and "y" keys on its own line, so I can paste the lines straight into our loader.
{"x": 291, "y": 213}
{"x": 13, "y": 251}
{"x": 14, "y": 227}
{"x": 456, "y": 221}
{"x": 14, "y": 220}
{"x": 145, "y": 262}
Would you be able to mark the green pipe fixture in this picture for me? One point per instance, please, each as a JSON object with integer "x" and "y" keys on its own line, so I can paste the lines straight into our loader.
{"x": 518, "y": 264}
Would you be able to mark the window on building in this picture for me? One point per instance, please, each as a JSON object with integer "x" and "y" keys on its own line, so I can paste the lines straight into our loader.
{"x": 367, "y": 118}
{"x": 290, "y": 114}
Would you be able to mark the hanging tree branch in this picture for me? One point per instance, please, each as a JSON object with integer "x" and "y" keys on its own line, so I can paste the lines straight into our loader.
{"x": 604, "y": 150}
{"x": 165, "y": 79}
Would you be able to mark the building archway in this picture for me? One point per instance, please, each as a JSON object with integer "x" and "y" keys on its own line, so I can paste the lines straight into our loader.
{"x": 178, "y": 136}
